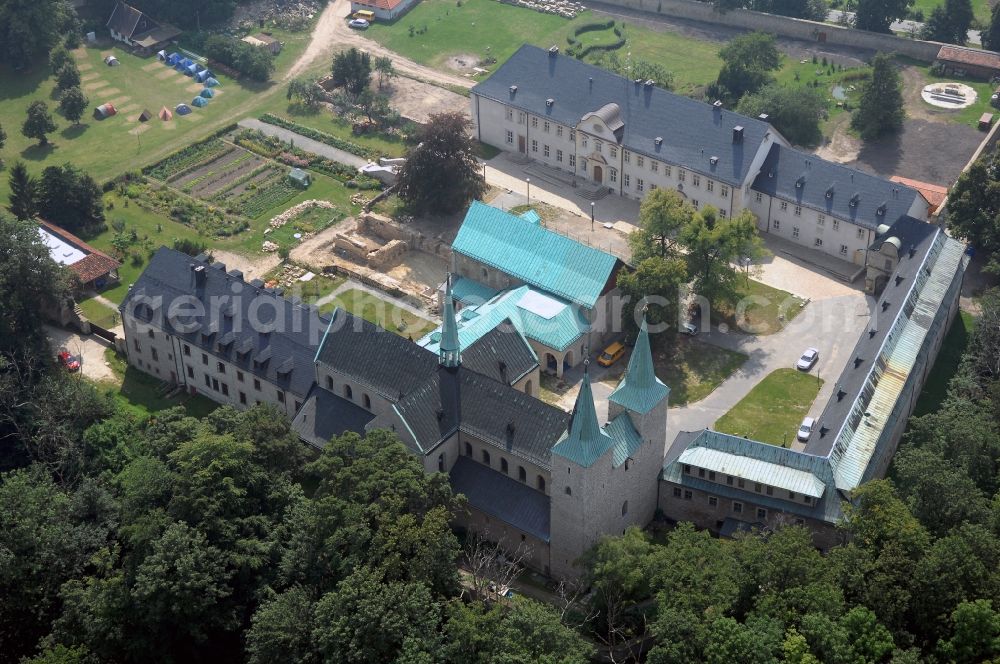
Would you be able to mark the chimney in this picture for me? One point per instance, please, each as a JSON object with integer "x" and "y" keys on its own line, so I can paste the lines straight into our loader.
{"x": 649, "y": 82}
{"x": 553, "y": 50}
{"x": 713, "y": 160}
{"x": 737, "y": 134}
{"x": 763, "y": 117}
{"x": 199, "y": 275}
{"x": 549, "y": 102}
{"x": 658, "y": 141}
{"x": 513, "y": 90}
{"x": 717, "y": 104}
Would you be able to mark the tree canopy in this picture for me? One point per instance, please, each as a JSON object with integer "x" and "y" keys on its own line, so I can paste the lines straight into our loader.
{"x": 39, "y": 123}
{"x": 748, "y": 61}
{"x": 796, "y": 112}
{"x": 878, "y": 15}
{"x": 990, "y": 36}
{"x": 70, "y": 198}
{"x": 974, "y": 208}
{"x": 441, "y": 174}
{"x": 352, "y": 70}
{"x": 880, "y": 111}
{"x": 949, "y": 22}
{"x": 29, "y": 29}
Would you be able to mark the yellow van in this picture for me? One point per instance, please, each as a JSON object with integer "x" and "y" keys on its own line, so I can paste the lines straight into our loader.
{"x": 611, "y": 354}
{"x": 365, "y": 14}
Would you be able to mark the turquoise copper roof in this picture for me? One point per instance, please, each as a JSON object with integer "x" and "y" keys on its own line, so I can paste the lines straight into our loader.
{"x": 586, "y": 441}
{"x": 640, "y": 390}
{"x": 535, "y": 255}
{"x": 627, "y": 439}
{"x": 548, "y": 320}
{"x": 470, "y": 292}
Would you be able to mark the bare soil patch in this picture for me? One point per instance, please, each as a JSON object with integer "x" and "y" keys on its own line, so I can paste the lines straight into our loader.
{"x": 463, "y": 62}
{"x": 243, "y": 186}
{"x": 418, "y": 101}
{"x": 220, "y": 159}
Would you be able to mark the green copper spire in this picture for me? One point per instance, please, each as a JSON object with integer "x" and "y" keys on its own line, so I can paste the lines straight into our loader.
{"x": 585, "y": 442}
{"x": 449, "y": 352}
{"x": 640, "y": 389}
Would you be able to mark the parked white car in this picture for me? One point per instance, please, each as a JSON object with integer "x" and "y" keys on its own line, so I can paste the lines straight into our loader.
{"x": 358, "y": 23}
{"x": 806, "y": 429}
{"x": 808, "y": 359}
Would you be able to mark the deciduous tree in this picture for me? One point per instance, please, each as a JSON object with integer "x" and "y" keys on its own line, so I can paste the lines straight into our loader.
{"x": 352, "y": 70}
{"x": 39, "y": 122}
{"x": 794, "y": 111}
{"x": 714, "y": 245}
{"x": 949, "y": 22}
{"x": 68, "y": 76}
{"x": 28, "y": 29}
{"x": 441, "y": 174}
{"x": 385, "y": 69}
{"x": 73, "y": 104}
{"x": 748, "y": 61}
{"x": 990, "y": 37}
{"x": 974, "y": 208}
{"x": 878, "y": 15}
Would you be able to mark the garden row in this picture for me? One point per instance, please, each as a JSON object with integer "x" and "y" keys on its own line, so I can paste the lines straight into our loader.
{"x": 321, "y": 136}
{"x": 177, "y": 164}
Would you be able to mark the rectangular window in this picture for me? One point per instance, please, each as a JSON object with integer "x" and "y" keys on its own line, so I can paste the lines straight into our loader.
{"x": 654, "y": 165}
{"x": 757, "y": 486}
{"x": 256, "y": 384}
{"x": 559, "y": 156}
{"x": 135, "y": 344}
{"x": 687, "y": 494}
{"x": 694, "y": 203}
{"x": 818, "y": 242}
{"x": 740, "y": 483}
{"x": 239, "y": 376}
{"x": 208, "y": 381}
{"x": 510, "y": 137}
{"x": 737, "y": 508}
{"x": 572, "y": 160}
{"x": 729, "y": 480}
{"x": 758, "y": 196}
{"x": 243, "y": 398}
{"x": 791, "y": 495}
{"x": 696, "y": 180}
{"x": 639, "y": 184}
{"x": 761, "y": 513}
{"x": 559, "y": 131}
{"x": 545, "y": 127}
{"x": 281, "y": 396}
{"x": 627, "y": 156}
{"x": 534, "y": 123}
{"x": 777, "y": 224}
{"x": 204, "y": 359}
{"x": 640, "y": 161}
{"x": 667, "y": 170}
{"x": 784, "y": 206}
{"x": 861, "y": 233}
{"x": 520, "y": 118}
{"x": 808, "y": 500}
{"x": 583, "y": 142}
{"x": 795, "y": 231}
{"x": 843, "y": 250}
{"x": 681, "y": 175}
{"x": 821, "y": 220}
{"x": 687, "y": 469}
{"x": 701, "y": 472}
{"x": 836, "y": 224}
{"x": 613, "y": 174}
{"x": 156, "y": 356}
{"x": 677, "y": 492}
{"x": 798, "y": 210}
{"x": 722, "y": 213}
{"x": 187, "y": 350}
{"x": 572, "y": 134}
{"x": 221, "y": 367}
{"x": 711, "y": 475}
{"x": 598, "y": 146}
{"x": 190, "y": 372}
{"x": 725, "y": 191}
{"x": 713, "y": 501}
{"x": 710, "y": 185}
{"x": 545, "y": 151}
{"x": 215, "y": 384}
{"x": 613, "y": 151}
{"x": 510, "y": 113}
{"x": 626, "y": 180}
{"x": 534, "y": 145}
{"x": 225, "y": 389}
{"x": 770, "y": 490}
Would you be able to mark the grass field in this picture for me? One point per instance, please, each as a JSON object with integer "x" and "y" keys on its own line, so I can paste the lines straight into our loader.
{"x": 761, "y": 310}
{"x": 946, "y": 365}
{"x": 99, "y": 313}
{"x": 693, "y": 369}
{"x": 773, "y": 410}
{"x": 143, "y": 394}
{"x": 379, "y": 311}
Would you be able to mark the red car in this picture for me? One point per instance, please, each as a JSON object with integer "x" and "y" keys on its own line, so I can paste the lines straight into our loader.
{"x": 68, "y": 361}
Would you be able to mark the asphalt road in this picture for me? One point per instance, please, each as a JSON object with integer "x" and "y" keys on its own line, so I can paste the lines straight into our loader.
{"x": 907, "y": 27}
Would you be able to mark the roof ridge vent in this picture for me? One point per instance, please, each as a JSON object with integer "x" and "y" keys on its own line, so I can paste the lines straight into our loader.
{"x": 738, "y": 134}
{"x": 763, "y": 117}
{"x": 829, "y": 191}
{"x": 513, "y": 89}
{"x": 800, "y": 182}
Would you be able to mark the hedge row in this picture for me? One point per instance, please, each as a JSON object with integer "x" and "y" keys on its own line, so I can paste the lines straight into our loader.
{"x": 322, "y": 137}
{"x": 592, "y": 27}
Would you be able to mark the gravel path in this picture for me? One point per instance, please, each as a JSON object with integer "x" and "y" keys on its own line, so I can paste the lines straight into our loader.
{"x": 307, "y": 144}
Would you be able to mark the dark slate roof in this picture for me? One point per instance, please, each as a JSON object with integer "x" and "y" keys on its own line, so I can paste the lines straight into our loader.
{"x": 501, "y": 354}
{"x": 283, "y": 355}
{"x": 127, "y": 20}
{"x": 383, "y": 360}
{"x": 912, "y": 233}
{"x": 490, "y": 410}
{"x": 325, "y": 415}
{"x": 805, "y": 180}
{"x": 692, "y": 131}
{"x": 500, "y": 496}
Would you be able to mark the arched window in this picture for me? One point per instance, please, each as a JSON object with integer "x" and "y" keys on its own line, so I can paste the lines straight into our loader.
{"x": 348, "y": 392}
{"x": 569, "y": 491}
{"x": 486, "y": 274}
{"x": 486, "y": 457}
{"x": 329, "y": 383}
{"x": 625, "y": 508}
{"x": 503, "y": 465}
{"x": 367, "y": 401}
{"x": 541, "y": 483}
{"x": 441, "y": 462}
{"x": 522, "y": 474}
{"x": 468, "y": 450}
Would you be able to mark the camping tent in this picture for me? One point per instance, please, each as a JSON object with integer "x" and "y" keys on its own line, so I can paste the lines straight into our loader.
{"x": 161, "y": 55}
{"x": 183, "y": 64}
{"x": 104, "y": 111}
{"x": 165, "y": 114}
{"x": 111, "y": 61}
{"x": 173, "y": 59}
{"x": 145, "y": 116}
{"x": 191, "y": 70}
{"x": 211, "y": 82}
{"x": 199, "y": 102}
{"x": 182, "y": 109}
{"x": 203, "y": 76}
{"x": 208, "y": 93}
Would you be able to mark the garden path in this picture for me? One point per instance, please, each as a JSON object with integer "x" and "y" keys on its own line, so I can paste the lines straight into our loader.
{"x": 304, "y": 142}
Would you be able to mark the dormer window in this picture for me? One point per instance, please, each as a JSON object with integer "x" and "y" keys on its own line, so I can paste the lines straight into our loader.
{"x": 855, "y": 199}
{"x": 829, "y": 193}
{"x": 800, "y": 182}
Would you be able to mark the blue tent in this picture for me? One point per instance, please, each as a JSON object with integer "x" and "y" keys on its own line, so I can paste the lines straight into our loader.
{"x": 191, "y": 71}
{"x": 199, "y": 66}
{"x": 183, "y": 64}
{"x": 211, "y": 82}
{"x": 173, "y": 59}
{"x": 182, "y": 109}
{"x": 199, "y": 102}
{"x": 208, "y": 93}
{"x": 203, "y": 76}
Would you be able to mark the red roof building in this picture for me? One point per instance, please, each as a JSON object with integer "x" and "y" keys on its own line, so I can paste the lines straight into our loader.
{"x": 934, "y": 194}
{"x": 92, "y": 267}
{"x": 386, "y": 10}
{"x": 974, "y": 62}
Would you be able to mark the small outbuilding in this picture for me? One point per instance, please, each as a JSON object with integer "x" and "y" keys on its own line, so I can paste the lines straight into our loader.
{"x": 165, "y": 114}
{"x": 299, "y": 178}
{"x": 985, "y": 121}
{"x": 134, "y": 28}
{"x": 105, "y": 111}
{"x": 264, "y": 41}
{"x": 182, "y": 109}
{"x": 971, "y": 62}
{"x": 199, "y": 102}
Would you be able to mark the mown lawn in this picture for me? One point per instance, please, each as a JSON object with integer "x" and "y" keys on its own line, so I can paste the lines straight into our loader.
{"x": 946, "y": 365}
{"x": 762, "y": 309}
{"x": 773, "y": 410}
{"x": 981, "y": 9}
{"x": 379, "y": 311}
{"x": 144, "y": 395}
{"x": 99, "y": 313}
{"x": 967, "y": 116}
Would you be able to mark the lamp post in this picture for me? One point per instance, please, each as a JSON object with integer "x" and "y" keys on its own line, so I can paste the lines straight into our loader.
{"x": 484, "y": 171}
{"x": 591, "y": 216}
{"x": 528, "y": 180}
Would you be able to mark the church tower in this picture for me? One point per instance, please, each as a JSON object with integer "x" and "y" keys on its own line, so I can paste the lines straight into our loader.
{"x": 449, "y": 352}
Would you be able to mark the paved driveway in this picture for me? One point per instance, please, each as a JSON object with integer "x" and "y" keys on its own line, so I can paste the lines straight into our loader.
{"x": 89, "y": 350}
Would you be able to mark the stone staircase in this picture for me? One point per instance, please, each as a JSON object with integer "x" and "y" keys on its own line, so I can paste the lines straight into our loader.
{"x": 593, "y": 193}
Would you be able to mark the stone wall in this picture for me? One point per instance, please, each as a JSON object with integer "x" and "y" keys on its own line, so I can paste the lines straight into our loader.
{"x": 786, "y": 27}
